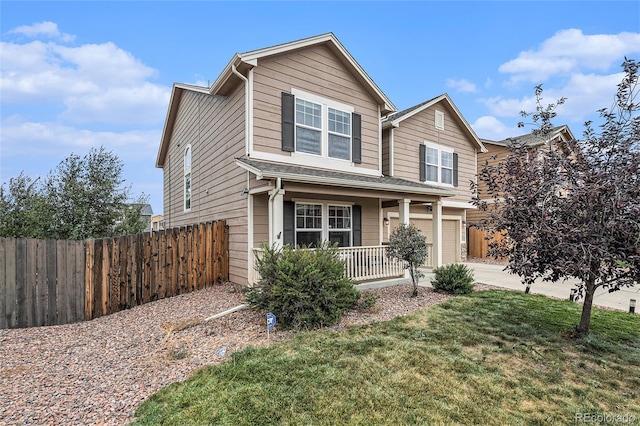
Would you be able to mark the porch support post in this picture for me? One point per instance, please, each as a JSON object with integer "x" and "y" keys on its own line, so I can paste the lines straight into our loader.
{"x": 403, "y": 209}
{"x": 276, "y": 217}
{"x": 436, "y": 211}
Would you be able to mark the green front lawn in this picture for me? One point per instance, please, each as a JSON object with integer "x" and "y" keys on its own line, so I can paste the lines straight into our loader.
{"x": 495, "y": 357}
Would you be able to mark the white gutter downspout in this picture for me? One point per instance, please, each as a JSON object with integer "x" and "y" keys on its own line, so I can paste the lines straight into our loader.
{"x": 276, "y": 212}
{"x": 246, "y": 108}
{"x": 250, "y": 259}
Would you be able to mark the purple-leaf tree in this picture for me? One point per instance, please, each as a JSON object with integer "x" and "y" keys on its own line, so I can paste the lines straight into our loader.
{"x": 572, "y": 209}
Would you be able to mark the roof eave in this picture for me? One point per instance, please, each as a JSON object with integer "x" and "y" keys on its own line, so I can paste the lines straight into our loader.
{"x": 294, "y": 177}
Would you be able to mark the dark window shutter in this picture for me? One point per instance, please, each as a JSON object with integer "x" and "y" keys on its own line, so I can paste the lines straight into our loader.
{"x": 289, "y": 213}
{"x": 357, "y": 225}
{"x": 423, "y": 163}
{"x": 455, "y": 169}
{"x": 356, "y": 141}
{"x": 288, "y": 126}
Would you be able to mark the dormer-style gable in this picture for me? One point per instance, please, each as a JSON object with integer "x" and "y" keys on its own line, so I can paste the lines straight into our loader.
{"x": 395, "y": 120}
{"x": 432, "y": 143}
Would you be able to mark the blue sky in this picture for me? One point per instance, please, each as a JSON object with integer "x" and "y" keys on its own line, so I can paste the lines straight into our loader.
{"x": 76, "y": 75}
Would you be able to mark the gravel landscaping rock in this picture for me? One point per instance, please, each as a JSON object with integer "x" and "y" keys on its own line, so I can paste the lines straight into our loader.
{"x": 98, "y": 372}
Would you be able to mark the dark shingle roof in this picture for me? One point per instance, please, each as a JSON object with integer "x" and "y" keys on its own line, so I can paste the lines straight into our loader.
{"x": 332, "y": 178}
{"x": 408, "y": 110}
{"x": 526, "y": 139}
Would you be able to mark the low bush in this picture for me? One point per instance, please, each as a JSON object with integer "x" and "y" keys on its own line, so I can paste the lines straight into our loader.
{"x": 454, "y": 278}
{"x": 305, "y": 289}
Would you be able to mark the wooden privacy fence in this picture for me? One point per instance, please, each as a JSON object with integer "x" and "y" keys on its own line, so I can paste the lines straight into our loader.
{"x": 128, "y": 271}
{"x": 47, "y": 282}
{"x": 479, "y": 241}
{"x": 41, "y": 282}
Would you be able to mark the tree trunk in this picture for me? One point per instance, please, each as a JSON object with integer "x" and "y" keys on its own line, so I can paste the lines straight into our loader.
{"x": 585, "y": 319}
{"x": 414, "y": 280}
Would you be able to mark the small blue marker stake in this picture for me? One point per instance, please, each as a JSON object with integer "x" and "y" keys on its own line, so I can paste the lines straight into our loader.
{"x": 271, "y": 321}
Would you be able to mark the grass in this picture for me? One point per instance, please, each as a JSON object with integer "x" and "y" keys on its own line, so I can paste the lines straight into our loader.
{"x": 492, "y": 358}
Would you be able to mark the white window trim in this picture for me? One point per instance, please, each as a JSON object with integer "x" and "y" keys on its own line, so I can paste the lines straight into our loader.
{"x": 324, "y": 235}
{"x": 187, "y": 171}
{"x": 440, "y": 149}
{"x": 325, "y": 104}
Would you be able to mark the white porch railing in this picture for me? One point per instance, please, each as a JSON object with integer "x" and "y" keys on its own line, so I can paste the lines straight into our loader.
{"x": 370, "y": 263}
{"x": 362, "y": 263}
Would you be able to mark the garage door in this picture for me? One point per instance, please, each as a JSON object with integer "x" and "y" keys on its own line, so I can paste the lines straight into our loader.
{"x": 450, "y": 236}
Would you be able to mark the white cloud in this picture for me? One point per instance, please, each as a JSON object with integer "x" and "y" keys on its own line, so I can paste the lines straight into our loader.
{"x": 570, "y": 51}
{"x": 585, "y": 94}
{"x": 505, "y": 107}
{"x": 26, "y": 139}
{"x": 94, "y": 82}
{"x": 464, "y": 86}
{"x": 489, "y": 127}
{"x": 47, "y": 29}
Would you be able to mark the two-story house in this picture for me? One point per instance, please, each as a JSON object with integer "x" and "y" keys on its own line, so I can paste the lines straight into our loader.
{"x": 296, "y": 144}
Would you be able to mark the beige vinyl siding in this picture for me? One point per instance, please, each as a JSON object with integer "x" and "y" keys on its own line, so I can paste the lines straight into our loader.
{"x": 315, "y": 70}
{"x": 420, "y": 128}
{"x": 386, "y": 140}
{"x": 500, "y": 152}
{"x": 260, "y": 219}
{"x": 214, "y": 126}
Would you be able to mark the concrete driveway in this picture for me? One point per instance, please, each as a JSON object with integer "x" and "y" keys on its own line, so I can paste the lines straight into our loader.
{"x": 494, "y": 275}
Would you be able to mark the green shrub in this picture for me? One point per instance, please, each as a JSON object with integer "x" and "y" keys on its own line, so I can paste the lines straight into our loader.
{"x": 454, "y": 278}
{"x": 305, "y": 289}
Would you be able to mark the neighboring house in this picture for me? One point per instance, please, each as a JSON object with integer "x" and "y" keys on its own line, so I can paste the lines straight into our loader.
{"x": 498, "y": 150}
{"x": 146, "y": 212}
{"x": 295, "y": 144}
{"x": 157, "y": 222}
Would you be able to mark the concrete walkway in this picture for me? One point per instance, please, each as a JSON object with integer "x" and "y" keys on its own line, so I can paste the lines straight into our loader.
{"x": 494, "y": 275}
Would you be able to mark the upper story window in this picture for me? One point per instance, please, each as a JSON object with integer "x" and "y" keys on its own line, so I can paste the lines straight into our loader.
{"x": 322, "y": 130}
{"x": 308, "y": 127}
{"x": 438, "y": 164}
{"x": 318, "y": 126}
{"x": 187, "y": 178}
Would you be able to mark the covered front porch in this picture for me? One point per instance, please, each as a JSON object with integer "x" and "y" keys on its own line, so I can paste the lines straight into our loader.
{"x": 364, "y": 264}
{"x": 301, "y": 206}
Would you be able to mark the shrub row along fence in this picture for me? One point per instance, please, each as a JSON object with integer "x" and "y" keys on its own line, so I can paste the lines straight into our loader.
{"x": 48, "y": 282}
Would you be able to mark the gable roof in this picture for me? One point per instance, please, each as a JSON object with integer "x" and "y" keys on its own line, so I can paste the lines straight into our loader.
{"x": 176, "y": 94}
{"x": 394, "y": 120}
{"x": 534, "y": 140}
{"x": 241, "y": 62}
{"x": 269, "y": 170}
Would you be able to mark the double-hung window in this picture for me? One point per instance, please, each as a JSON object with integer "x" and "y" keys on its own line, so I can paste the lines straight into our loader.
{"x": 308, "y": 224}
{"x": 446, "y": 167}
{"x": 340, "y": 225}
{"x": 319, "y": 222}
{"x": 438, "y": 164}
{"x": 308, "y": 127}
{"x": 323, "y": 127}
{"x": 339, "y": 144}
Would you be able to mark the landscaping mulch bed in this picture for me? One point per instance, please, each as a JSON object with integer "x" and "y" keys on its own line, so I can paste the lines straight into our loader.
{"x": 99, "y": 371}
